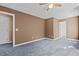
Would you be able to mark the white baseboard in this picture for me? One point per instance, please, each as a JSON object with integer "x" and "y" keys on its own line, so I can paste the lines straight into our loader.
{"x": 29, "y": 42}
{"x": 54, "y": 38}
{"x": 61, "y": 37}
{"x": 41, "y": 39}
{"x": 72, "y": 39}
{"x": 57, "y": 38}
{"x": 5, "y": 42}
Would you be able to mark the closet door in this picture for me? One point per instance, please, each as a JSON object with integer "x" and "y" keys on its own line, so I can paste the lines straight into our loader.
{"x": 4, "y": 29}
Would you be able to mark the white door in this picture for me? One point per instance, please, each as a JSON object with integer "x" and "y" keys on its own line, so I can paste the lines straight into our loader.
{"x": 4, "y": 29}
{"x": 62, "y": 29}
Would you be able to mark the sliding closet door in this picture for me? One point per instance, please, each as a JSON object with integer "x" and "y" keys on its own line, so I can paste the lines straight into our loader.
{"x": 4, "y": 29}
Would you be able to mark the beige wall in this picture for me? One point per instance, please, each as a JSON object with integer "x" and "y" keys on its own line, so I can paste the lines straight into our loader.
{"x": 52, "y": 28}
{"x": 56, "y": 28}
{"x": 49, "y": 28}
{"x": 30, "y": 27}
{"x": 72, "y": 27}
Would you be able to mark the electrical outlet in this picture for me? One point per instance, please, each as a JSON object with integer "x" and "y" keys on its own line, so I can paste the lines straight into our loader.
{"x": 32, "y": 37}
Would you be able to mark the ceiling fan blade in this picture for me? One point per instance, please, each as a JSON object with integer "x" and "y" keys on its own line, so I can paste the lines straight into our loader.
{"x": 51, "y": 5}
{"x": 44, "y": 3}
{"x": 56, "y": 4}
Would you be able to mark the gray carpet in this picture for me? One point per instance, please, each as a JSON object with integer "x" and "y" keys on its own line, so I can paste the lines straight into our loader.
{"x": 60, "y": 47}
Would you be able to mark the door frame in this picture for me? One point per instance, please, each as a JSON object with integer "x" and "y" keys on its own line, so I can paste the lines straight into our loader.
{"x": 60, "y": 26}
{"x": 13, "y": 16}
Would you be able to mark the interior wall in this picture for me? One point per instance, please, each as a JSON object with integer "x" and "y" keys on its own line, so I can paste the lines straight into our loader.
{"x": 49, "y": 28}
{"x": 56, "y": 28}
{"x": 71, "y": 31}
{"x": 72, "y": 27}
{"x": 29, "y": 27}
{"x": 52, "y": 28}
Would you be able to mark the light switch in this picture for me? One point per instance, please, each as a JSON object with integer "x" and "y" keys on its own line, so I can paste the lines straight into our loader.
{"x": 17, "y": 29}
{"x": 32, "y": 37}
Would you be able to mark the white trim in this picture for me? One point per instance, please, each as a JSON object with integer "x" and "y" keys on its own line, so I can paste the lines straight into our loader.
{"x": 57, "y": 38}
{"x": 7, "y": 42}
{"x": 65, "y": 39}
{"x": 13, "y": 15}
{"x": 54, "y": 38}
{"x": 72, "y": 39}
{"x": 14, "y": 30}
{"x": 29, "y": 42}
{"x": 6, "y": 13}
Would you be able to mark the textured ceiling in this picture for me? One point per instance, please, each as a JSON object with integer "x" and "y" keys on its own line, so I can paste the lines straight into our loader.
{"x": 67, "y": 10}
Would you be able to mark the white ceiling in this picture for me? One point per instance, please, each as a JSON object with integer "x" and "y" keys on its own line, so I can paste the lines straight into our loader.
{"x": 67, "y": 10}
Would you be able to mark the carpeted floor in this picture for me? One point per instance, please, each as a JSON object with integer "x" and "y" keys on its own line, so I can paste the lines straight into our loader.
{"x": 60, "y": 47}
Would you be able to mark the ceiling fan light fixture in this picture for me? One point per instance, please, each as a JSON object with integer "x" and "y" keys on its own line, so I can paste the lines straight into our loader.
{"x": 50, "y": 5}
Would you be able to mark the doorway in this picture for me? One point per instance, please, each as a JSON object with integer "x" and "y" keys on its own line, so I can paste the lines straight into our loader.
{"x": 62, "y": 29}
{"x": 7, "y": 28}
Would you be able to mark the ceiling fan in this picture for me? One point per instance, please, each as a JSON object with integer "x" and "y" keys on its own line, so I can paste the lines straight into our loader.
{"x": 51, "y": 5}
